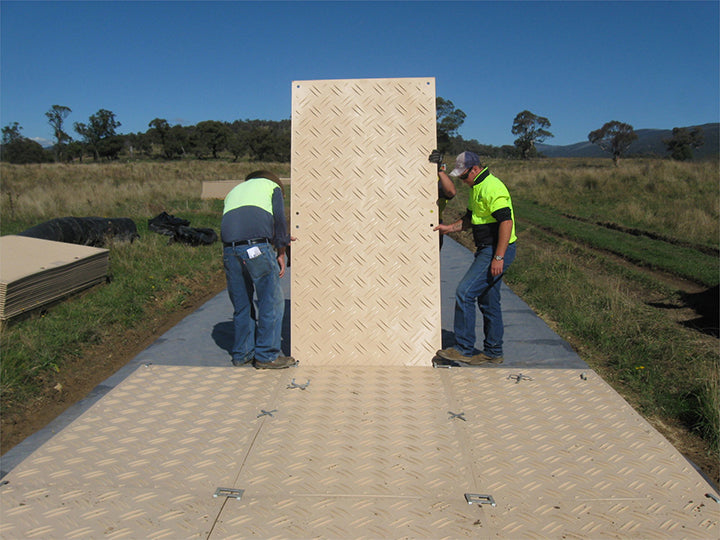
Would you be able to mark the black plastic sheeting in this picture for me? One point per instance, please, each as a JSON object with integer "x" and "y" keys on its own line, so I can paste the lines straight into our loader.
{"x": 85, "y": 231}
{"x": 179, "y": 230}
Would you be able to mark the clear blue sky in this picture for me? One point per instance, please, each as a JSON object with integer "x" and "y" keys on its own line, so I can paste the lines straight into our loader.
{"x": 580, "y": 64}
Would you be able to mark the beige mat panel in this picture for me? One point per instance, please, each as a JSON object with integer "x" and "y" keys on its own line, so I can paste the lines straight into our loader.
{"x": 218, "y": 189}
{"x": 34, "y": 272}
{"x": 350, "y": 452}
{"x": 366, "y": 274}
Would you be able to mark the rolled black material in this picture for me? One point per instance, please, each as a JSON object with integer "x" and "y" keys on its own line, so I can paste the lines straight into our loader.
{"x": 84, "y": 231}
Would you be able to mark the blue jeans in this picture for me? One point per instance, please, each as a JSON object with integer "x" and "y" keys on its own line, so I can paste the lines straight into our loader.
{"x": 257, "y": 335}
{"x": 479, "y": 285}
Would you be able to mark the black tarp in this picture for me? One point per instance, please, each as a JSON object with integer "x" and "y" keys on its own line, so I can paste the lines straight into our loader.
{"x": 179, "y": 230}
{"x": 84, "y": 231}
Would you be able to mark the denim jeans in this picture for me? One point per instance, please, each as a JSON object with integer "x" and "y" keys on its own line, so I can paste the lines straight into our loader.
{"x": 257, "y": 335}
{"x": 480, "y": 285}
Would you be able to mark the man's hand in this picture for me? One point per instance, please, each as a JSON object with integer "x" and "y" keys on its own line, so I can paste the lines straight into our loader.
{"x": 496, "y": 267}
{"x": 281, "y": 263}
{"x": 436, "y": 157}
{"x": 281, "y": 257}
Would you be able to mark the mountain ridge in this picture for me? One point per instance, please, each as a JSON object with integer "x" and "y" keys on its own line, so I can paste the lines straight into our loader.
{"x": 649, "y": 143}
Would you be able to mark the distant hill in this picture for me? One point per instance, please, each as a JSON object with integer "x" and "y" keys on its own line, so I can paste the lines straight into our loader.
{"x": 649, "y": 142}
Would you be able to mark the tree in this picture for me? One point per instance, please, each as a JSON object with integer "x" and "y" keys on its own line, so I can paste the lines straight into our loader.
{"x": 19, "y": 149}
{"x": 614, "y": 137}
{"x": 102, "y": 126}
{"x": 449, "y": 120}
{"x": 56, "y": 118}
{"x": 683, "y": 140}
{"x": 110, "y": 147}
{"x": 531, "y": 129}
{"x": 210, "y": 136}
{"x": 159, "y": 129}
{"x": 11, "y": 133}
{"x": 237, "y": 145}
{"x": 175, "y": 141}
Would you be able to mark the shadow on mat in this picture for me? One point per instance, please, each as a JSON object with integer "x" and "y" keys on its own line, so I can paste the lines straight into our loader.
{"x": 223, "y": 333}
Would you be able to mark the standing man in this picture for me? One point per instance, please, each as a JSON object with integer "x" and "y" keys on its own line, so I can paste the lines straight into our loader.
{"x": 255, "y": 237}
{"x": 490, "y": 214}
{"x": 446, "y": 188}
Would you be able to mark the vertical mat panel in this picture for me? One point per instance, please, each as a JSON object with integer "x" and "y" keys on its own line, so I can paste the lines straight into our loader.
{"x": 366, "y": 271}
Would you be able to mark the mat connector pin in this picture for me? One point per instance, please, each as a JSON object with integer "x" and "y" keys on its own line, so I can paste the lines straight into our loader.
{"x": 473, "y": 498}
{"x": 519, "y": 377}
{"x": 229, "y": 493}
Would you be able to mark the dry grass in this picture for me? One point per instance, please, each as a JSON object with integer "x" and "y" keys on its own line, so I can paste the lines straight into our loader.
{"x": 36, "y": 193}
{"x": 680, "y": 200}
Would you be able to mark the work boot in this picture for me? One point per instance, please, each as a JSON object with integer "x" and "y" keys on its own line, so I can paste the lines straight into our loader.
{"x": 482, "y": 358}
{"x": 238, "y": 362}
{"x": 451, "y": 353}
{"x": 279, "y": 363}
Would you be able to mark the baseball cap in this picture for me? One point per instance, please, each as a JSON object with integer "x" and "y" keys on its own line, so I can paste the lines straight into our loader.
{"x": 465, "y": 161}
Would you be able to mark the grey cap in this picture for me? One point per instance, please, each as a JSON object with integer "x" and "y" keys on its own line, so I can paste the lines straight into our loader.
{"x": 465, "y": 161}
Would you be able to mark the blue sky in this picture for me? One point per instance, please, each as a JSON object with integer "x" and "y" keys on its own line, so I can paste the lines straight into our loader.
{"x": 580, "y": 64}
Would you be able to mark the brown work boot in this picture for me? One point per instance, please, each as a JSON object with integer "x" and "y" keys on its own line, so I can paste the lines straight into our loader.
{"x": 451, "y": 353}
{"x": 482, "y": 358}
{"x": 279, "y": 363}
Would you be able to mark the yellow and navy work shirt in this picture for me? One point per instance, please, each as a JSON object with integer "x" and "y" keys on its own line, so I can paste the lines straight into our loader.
{"x": 488, "y": 205}
{"x": 255, "y": 209}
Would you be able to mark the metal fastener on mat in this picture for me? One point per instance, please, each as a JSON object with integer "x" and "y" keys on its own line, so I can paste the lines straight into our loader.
{"x": 229, "y": 492}
{"x": 473, "y": 498}
{"x": 293, "y": 384}
{"x": 519, "y": 377}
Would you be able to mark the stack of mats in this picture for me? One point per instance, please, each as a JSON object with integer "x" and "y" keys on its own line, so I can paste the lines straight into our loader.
{"x": 35, "y": 272}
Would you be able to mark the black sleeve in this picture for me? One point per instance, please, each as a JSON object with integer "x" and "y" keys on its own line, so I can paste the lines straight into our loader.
{"x": 504, "y": 214}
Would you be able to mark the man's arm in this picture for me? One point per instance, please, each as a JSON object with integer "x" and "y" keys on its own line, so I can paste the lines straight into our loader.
{"x": 504, "y": 232}
{"x": 446, "y": 184}
{"x": 459, "y": 225}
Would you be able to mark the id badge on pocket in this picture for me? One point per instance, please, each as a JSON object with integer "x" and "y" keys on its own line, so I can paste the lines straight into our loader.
{"x": 253, "y": 252}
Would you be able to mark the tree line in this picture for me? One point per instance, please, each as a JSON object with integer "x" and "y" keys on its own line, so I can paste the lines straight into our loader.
{"x": 266, "y": 140}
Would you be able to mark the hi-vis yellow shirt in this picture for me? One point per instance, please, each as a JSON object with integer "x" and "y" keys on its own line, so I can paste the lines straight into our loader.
{"x": 254, "y": 209}
{"x": 488, "y": 195}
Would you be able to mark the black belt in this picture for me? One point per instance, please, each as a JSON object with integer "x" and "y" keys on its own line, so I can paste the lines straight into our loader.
{"x": 250, "y": 242}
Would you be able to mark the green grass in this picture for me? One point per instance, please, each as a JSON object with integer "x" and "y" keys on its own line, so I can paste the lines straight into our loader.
{"x": 679, "y": 260}
{"x": 148, "y": 278}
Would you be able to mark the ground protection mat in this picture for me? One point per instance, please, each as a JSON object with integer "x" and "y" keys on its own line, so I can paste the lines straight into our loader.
{"x": 35, "y": 272}
{"x": 360, "y": 452}
{"x": 366, "y": 270}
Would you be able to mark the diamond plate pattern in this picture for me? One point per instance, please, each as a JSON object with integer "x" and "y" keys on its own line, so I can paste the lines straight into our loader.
{"x": 366, "y": 274}
{"x": 357, "y": 453}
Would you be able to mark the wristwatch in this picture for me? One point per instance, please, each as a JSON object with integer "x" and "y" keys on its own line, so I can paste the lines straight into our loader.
{"x": 498, "y": 257}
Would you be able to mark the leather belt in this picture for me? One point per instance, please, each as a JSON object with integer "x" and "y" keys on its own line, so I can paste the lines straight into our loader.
{"x": 250, "y": 242}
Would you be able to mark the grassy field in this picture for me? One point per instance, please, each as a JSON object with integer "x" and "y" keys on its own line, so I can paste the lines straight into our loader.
{"x": 603, "y": 255}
